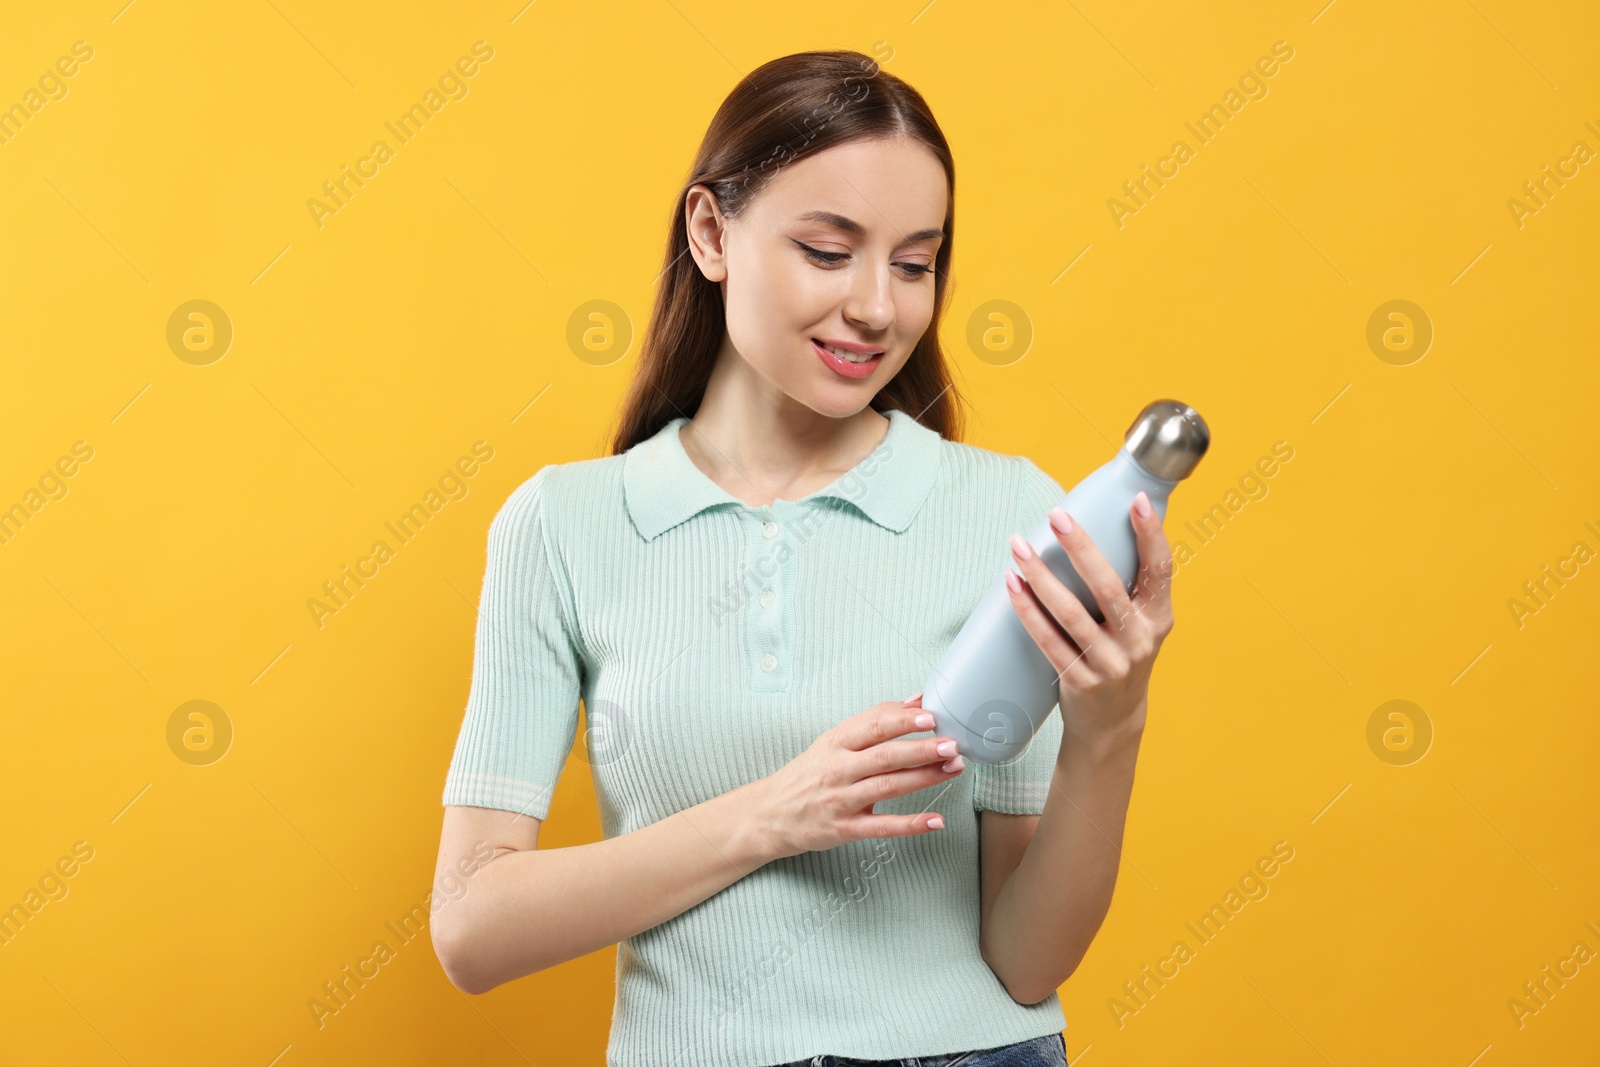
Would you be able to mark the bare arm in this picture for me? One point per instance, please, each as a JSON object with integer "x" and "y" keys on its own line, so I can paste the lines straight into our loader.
{"x": 1003, "y": 837}
{"x": 1049, "y": 901}
{"x": 528, "y": 909}
{"x": 1047, "y": 879}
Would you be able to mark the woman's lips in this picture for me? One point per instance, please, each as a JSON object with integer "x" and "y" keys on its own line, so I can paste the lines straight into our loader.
{"x": 844, "y": 367}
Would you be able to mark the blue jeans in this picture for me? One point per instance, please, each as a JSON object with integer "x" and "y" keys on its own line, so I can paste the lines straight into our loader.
{"x": 1047, "y": 1051}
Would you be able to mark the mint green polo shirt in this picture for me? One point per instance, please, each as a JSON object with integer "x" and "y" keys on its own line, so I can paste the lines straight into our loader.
{"x": 710, "y": 643}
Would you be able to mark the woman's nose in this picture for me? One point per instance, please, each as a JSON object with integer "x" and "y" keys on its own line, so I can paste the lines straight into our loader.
{"x": 871, "y": 300}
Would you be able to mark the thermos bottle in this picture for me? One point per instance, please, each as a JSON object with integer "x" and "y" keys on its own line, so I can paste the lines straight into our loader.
{"x": 994, "y": 686}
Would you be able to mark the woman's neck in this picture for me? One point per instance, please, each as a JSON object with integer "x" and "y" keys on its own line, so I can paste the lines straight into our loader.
{"x": 758, "y": 458}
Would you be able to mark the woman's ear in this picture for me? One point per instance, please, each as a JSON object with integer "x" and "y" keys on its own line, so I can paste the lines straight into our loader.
{"x": 707, "y": 230}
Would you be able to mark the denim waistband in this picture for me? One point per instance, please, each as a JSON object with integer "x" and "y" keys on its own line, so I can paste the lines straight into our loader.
{"x": 1050, "y": 1050}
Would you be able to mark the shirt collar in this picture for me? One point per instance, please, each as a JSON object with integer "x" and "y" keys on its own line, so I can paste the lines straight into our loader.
{"x": 662, "y": 487}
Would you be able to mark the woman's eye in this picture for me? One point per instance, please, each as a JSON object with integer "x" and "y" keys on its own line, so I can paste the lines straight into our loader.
{"x": 817, "y": 255}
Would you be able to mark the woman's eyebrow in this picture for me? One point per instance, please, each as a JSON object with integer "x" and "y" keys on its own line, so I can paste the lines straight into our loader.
{"x": 852, "y": 226}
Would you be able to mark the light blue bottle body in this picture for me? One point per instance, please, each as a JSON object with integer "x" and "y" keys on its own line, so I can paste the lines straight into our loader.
{"x": 994, "y": 686}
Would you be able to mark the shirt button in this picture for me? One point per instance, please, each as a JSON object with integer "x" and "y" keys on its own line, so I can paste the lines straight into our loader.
{"x": 769, "y": 662}
{"x": 767, "y": 598}
{"x": 769, "y": 530}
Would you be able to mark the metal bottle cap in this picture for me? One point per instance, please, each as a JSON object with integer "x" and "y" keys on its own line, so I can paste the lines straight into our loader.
{"x": 1167, "y": 439}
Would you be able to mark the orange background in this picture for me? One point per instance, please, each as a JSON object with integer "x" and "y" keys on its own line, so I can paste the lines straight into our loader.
{"x": 1429, "y": 880}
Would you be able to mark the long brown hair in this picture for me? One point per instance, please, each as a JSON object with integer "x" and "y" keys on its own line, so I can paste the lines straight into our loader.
{"x": 781, "y": 112}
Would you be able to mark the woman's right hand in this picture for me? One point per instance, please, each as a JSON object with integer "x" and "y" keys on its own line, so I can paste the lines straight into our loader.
{"x": 824, "y": 796}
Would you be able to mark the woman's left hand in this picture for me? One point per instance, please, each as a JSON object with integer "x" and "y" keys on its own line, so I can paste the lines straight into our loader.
{"x": 1104, "y": 668}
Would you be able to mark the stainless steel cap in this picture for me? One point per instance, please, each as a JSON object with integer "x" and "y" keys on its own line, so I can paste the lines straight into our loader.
{"x": 1167, "y": 439}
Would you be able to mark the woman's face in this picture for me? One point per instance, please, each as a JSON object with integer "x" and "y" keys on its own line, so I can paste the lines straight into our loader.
{"x": 836, "y": 250}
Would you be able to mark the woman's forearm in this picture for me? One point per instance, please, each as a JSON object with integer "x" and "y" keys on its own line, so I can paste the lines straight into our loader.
{"x": 531, "y": 909}
{"x": 1052, "y": 905}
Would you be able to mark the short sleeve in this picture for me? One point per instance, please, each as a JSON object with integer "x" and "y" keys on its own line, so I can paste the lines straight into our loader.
{"x": 1022, "y": 786}
{"x": 522, "y": 708}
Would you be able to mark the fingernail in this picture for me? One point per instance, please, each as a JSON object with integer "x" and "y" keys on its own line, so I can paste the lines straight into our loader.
{"x": 924, "y": 721}
{"x": 1061, "y": 521}
{"x": 1020, "y": 547}
{"x": 1141, "y": 504}
{"x": 1014, "y": 580}
{"x": 911, "y": 698}
{"x": 954, "y": 764}
{"x": 937, "y": 822}
{"x": 945, "y": 748}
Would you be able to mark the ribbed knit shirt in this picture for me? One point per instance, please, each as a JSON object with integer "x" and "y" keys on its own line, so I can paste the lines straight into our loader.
{"x": 711, "y": 642}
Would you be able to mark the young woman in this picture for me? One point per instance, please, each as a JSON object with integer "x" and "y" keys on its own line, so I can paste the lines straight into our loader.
{"x": 787, "y": 535}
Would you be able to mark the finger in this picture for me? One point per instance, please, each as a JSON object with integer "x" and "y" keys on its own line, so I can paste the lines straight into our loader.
{"x": 1061, "y": 651}
{"x": 892, "y": 756}
{"x": 1062, "y": 604}
{"x": 898, "y": 825}
{"x": 1152, "y": 587}
{"x": 881, "y": 787}
{"x": 882, "y": 723}
{"x": 1092, "y": 566}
